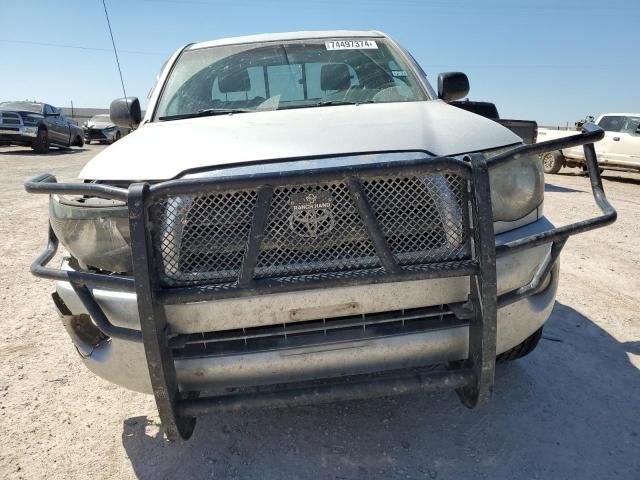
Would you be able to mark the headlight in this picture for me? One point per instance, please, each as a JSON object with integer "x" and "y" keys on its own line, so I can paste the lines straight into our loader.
{"x": 94, "y": 230}
{"x": 31, "y": 119}
{"x": 517, "y": 188}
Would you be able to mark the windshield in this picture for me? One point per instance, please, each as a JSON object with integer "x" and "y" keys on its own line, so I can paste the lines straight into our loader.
{"x": 22, "y": 106}
{"x": 290, "y": 74}
{"x": 620, "y": 123}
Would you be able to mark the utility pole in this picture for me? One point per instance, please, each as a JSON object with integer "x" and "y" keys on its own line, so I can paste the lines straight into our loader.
{"x": 72, "y": 115}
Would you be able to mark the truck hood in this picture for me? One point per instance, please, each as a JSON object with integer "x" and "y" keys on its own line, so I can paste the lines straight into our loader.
{"x": 100, "y": 125}
{"x": 23, "y": 113}
{"x": 164, "y": 150}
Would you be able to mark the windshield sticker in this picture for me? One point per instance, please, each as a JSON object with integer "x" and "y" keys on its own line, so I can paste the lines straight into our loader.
{"x": 351, "y": 45}
{"x": 398, "y": 73}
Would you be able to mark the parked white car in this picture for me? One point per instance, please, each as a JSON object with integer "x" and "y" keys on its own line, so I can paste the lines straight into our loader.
{"x": 618, "y": 150}
{"x": 101, "y": 129}
{"x": 301, "y": 217}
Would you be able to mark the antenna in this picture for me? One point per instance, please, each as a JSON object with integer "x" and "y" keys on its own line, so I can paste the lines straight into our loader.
{"x": 115, "y": 51}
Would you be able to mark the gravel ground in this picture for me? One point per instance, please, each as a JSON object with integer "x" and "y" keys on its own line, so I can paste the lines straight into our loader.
{"x": 570, "y": 410}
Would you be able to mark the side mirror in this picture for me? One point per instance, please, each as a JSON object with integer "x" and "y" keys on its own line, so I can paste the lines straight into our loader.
{"x": 125, "y": 112}
{"x": 452, "y": 86}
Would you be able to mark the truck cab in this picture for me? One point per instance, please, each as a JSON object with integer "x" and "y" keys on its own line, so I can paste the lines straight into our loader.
{"x": 621, "y": 143}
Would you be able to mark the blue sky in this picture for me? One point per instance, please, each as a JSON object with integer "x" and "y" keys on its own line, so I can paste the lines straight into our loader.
{"x": 549, "y": 60}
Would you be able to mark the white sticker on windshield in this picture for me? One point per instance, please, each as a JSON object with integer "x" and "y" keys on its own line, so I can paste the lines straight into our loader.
{"x": 399, "y": 73}
{"x": 351, "y": 45}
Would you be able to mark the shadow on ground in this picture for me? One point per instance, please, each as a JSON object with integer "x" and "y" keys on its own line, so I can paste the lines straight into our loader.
{"x": 609, "y": 175}
{"x": 54, "y": 152}
{"x": 614, "y": 178}
{"x": 549, "y": 187}
{"x": 569, "y": 410}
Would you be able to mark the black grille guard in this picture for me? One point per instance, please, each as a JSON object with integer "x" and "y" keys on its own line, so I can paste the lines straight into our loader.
{"x": 473, "y": 380}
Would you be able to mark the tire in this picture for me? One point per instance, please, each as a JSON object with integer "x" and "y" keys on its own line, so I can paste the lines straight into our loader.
{"x": 87, "y": 142}
{"x": 41, "y": 143}
{"x": 118, "y": 137}
{"x": 521, "y": 350}
{"x": 78, "y": 142}
{"x": 552, "y": 162}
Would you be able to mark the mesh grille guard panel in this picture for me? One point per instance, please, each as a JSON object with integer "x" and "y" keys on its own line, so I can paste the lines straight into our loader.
{"x": 318, "y": 240}
{"x": 310, "y": 229}
{"x": 202, "y": 238}
{"x": 421, "y": 217}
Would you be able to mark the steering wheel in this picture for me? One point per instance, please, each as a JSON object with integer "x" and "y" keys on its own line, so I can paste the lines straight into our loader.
{"x": 366, "y": 95}
{"x": 372, "y": 92}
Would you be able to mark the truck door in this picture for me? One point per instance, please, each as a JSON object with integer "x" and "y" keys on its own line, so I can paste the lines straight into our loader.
{"x": 624, "y": 142}
{"x": 67, "y": 127}
{"x": 58, "y": 129}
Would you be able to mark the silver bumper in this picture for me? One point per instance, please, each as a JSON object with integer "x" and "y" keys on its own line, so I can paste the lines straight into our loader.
{"x": 19, "y": 131}
{"x": 124, "y": 362}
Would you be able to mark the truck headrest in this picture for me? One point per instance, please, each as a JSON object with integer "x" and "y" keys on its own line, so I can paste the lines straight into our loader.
{"x": 335, "y": 76}
{"x": 233, "y": 82}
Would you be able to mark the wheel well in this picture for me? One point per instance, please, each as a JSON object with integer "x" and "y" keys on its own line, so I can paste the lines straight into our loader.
{"x": 559, "y": 155}
{"x": 563, "y": 158}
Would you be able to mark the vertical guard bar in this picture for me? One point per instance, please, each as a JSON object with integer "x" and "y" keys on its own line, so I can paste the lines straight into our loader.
{"x": 483, "y": 287}
{"x": 374, "y": 231}
{"x": 256, "y": 234}
{"x": 153, "y": 324}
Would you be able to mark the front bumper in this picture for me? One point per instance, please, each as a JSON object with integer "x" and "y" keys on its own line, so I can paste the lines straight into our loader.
{"x": 123, "y": 362}
{"x": 18, "y": 133}
{"x": 493, "y": 299}
{"x": 92, "y": 134}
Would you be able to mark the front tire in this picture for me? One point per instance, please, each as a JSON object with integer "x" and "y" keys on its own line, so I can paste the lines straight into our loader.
{"x": 78, "y": 142}
{"x": 41, "y": 143}
{"x": 521, "y": 350}
{"x": 553, "y": 162}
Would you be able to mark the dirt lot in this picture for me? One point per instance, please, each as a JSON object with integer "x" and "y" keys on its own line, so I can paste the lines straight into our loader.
{"x": 570, "y": 410}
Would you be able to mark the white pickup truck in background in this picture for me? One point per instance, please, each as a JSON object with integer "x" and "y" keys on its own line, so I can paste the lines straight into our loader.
{"x": 618, "y": 150}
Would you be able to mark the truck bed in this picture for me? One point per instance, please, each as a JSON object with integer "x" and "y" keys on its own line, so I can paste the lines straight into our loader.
{"x": 525, "y": 129}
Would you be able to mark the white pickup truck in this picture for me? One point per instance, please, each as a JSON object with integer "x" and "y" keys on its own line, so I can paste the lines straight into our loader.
{"x": 618, "y": 150}
{"x": 301, "y": 217}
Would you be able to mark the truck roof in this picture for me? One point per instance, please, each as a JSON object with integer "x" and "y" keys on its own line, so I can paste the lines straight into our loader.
{"x": 618, "y": 114}
{"x": 270, "y": 37}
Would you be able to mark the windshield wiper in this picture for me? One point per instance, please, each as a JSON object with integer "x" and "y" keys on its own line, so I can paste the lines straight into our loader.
{"x": 324, "y": 103}
{"x": 207, "y": 112}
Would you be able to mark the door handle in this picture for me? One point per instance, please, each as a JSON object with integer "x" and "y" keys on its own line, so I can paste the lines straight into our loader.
{"x": 616, "y": 139}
